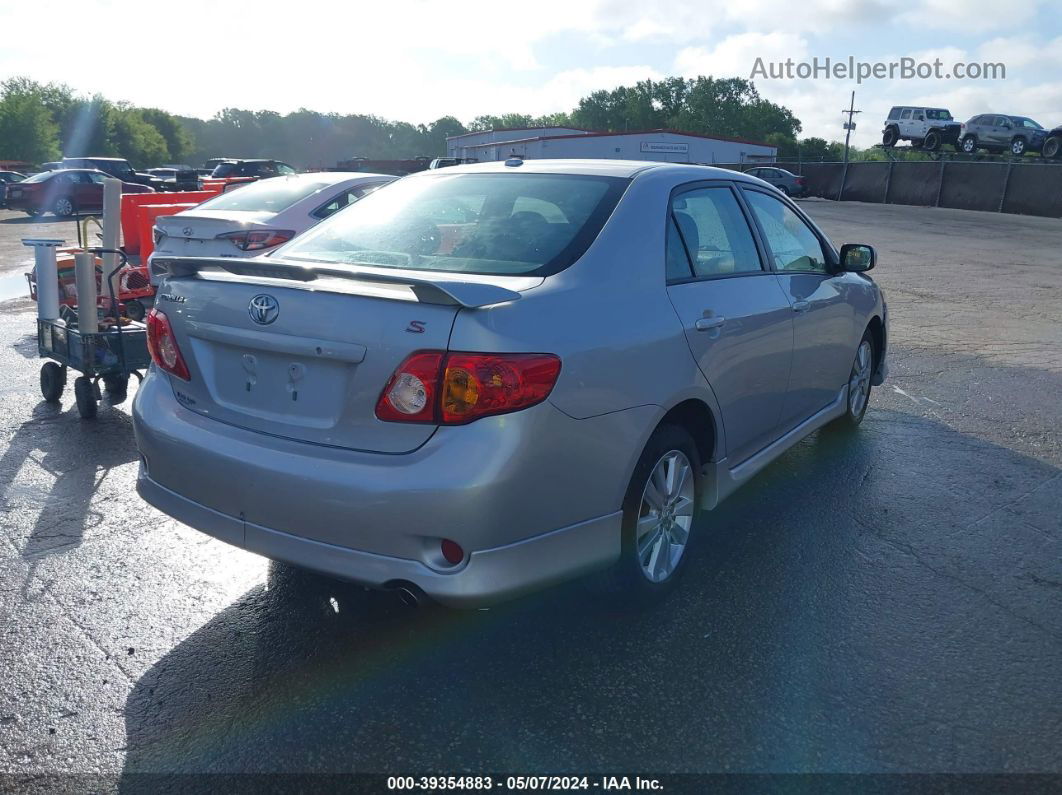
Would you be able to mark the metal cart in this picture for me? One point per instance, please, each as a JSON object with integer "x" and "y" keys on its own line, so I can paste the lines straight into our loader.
{"x": 111, "y": 355}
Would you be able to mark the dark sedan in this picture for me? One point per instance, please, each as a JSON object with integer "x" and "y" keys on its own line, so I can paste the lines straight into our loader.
{"x": 65, "y": 192}
{"x": 786, "y": 181}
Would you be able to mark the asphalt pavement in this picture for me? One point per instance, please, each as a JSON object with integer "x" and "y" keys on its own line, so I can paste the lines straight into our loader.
{"x": 888, "y": 600}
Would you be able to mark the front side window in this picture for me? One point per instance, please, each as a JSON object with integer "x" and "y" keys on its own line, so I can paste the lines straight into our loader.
{"x": 284, "y": 169}
{"x": 716, "y": 235}
{"x": 906, "y": 114}
{"x": 498, "y": 224}
{"x": 894, "y": 113}
{"x": 794, "y": 246}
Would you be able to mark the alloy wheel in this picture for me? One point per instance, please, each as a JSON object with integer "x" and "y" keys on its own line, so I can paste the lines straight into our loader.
{"x": 665, "y": 516}
{"x": 64, "y": 207}
{"x": 859, "y": 381}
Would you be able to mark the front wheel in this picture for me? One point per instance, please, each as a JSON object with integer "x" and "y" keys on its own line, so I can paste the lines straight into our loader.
{"x": 63, "y": 207}
{"x": 1052, "y": 147}
{"x": 85, "y": 397}
{"x": 859, "y": 383}
{"x": 658, "y": 513}
{"x": 53, "y": 380}
{"x": 889, "y": 137}
{"x": 932, "y": 141}
{"x": 1017, "y": 147}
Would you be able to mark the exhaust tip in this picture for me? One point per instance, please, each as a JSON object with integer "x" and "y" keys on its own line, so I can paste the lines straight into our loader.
{"x": 408, "y": 593}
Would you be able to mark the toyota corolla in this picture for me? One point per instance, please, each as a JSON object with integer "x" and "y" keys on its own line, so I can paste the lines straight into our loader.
{"x": 481, "y": 380}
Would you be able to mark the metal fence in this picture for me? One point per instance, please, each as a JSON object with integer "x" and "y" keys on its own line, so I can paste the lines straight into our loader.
{"x": 1026, "y": 189}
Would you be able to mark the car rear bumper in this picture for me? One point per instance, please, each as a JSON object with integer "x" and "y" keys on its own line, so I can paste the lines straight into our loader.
{"x": 488, "y": 576}
{"x": 533, "y": 497}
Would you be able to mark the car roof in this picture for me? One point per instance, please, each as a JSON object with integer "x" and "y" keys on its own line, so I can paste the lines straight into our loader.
{"x": 99, "y": 159}
{"x": 329, "y": 177}
{"x": 607, "y": 168}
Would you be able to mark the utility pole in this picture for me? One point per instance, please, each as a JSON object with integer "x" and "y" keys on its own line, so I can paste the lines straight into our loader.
{"x": 849, "y": 125}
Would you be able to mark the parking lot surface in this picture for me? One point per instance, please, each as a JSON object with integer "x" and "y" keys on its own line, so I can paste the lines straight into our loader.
{"x": 883, "y": 601}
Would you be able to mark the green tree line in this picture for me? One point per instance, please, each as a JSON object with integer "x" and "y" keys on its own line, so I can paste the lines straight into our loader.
{"x": 43, "y": 122}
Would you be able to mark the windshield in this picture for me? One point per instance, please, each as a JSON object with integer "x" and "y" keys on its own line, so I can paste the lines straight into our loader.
{"x": 39, "y": 177}
{"x": 268, "y": 195}
{"x": 938, "y": 115}
{"x": 495, "y": 224}
{"x": 1028, "y": 123}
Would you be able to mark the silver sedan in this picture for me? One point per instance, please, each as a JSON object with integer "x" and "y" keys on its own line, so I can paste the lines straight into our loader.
{"x": 484, "y": 379}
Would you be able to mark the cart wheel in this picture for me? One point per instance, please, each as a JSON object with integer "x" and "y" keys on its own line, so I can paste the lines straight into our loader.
{"x": 116, "y": 384}
{"x": 53, "y": 379}
{"x": 85, "y": 396}
{"x": 134, "y": 310}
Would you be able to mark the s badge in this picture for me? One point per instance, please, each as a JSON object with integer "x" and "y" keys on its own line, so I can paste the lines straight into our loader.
{"x": 415, "y": 327}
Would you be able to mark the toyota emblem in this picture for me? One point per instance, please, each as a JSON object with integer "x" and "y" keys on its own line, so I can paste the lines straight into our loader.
{"x": 263, "y": 309}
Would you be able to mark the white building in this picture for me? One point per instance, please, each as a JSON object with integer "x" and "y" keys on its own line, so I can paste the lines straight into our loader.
{"x": 569, "y": 142}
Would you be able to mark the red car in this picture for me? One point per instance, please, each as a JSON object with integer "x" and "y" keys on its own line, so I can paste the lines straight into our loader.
{"x": 64, "y": 192}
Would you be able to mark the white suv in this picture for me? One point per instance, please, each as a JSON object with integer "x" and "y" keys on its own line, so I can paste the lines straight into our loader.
{"x": 928, "y": 128}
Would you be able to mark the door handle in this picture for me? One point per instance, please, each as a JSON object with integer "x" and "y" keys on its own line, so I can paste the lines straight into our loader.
{"x": 801, "y": 306}
{"x": 709, "y": 323}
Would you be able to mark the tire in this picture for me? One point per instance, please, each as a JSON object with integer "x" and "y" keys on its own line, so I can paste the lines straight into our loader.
{"x": 85, "y": 397}
{"x": 859, "y": 386}
{"x": 890, "y": 137}
{"x": 932, "y": 141}
{"x": 34, "y": 213}
{"x": 646, "y": 570}
{"x": 116, "y": 384}
{"x": 968, "y": 145}
{"x": 1017, "y": 147}
{"x": 63, "y": 207}
{"x": 53, "y": 381}
{"x": 784, "y": 190}
{"x": 134, "y": 310}
{"x": 1052, "y": 147}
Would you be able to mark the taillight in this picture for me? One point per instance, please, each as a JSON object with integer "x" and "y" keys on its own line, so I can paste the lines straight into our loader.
{"x": 457, "y": 388}
{"x": 257, "y": 239}
{"x": 157, "y": 234}
{"x": 800, "y": 180}
{"x": 162, "y": 345}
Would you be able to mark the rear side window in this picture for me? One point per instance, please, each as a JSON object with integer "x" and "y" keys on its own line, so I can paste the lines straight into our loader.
{"x": 906, "y": 114}
{"x": 497, "y": 224}
{"x": 715, "y": 234}
{"x": 271, "y": 195}
{"x": 794, "y": 246}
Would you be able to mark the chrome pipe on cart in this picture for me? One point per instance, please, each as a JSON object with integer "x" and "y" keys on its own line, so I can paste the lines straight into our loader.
{"x": 85, "y": 280}
{"x": 112, "y": 210}
{"x": 46, "y": 272}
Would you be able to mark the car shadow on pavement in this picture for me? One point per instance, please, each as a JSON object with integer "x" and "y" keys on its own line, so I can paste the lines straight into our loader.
{"x": 71, "y": 460}
{"x": 35, "y": 219}
{"x": 866, "y": 592}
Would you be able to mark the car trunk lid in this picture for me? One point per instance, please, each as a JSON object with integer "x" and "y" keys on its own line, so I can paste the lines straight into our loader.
{"x": 304, "y": 358}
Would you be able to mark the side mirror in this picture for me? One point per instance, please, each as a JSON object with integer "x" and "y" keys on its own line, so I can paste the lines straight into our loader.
{"x": 857, "y": 257}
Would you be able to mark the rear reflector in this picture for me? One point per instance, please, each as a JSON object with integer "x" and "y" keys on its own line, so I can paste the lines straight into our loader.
{"x": 458, "y": 388}
{"x": 162, "y": 346}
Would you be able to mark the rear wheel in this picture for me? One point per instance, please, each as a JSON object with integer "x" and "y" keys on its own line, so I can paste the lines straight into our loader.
{"x": 784, "y": 189}
{"x": 890, "y": 137}
{"x": 658, "y": 513}
{"x": 1017, "y": 147}
{"x": 969, "y": 144}
{"x": 134, "y": 310}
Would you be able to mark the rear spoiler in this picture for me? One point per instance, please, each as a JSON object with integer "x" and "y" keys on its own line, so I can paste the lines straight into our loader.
{"x": 430, "y": 291}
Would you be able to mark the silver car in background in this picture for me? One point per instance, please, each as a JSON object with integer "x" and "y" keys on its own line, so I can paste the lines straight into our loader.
{"x": 483, "y": 379}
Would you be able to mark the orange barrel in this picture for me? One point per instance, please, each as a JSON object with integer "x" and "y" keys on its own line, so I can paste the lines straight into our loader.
{"x": 131, "y": 201}
{"x": 146, "y": 216}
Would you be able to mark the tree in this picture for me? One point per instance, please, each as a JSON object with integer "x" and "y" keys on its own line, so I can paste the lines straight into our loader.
{"x": 137, "y": 140}
{"x": 178, "y": 141}
{"x": 27, "y": 132}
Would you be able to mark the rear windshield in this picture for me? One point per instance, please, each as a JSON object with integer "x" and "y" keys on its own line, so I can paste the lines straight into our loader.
{"x": 268, "y": 195}
{"x": 496, "y": 224}
{"x": 39, "y": 177}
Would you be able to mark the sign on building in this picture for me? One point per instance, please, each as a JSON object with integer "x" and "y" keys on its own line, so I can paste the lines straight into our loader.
{"x": 657, "y": 146}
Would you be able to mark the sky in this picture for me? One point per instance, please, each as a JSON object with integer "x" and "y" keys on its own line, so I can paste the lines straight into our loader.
{"x": 417, "y": 60}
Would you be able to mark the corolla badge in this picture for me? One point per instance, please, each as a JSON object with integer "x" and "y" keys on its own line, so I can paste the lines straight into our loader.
{"x": 263, "y": 309}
